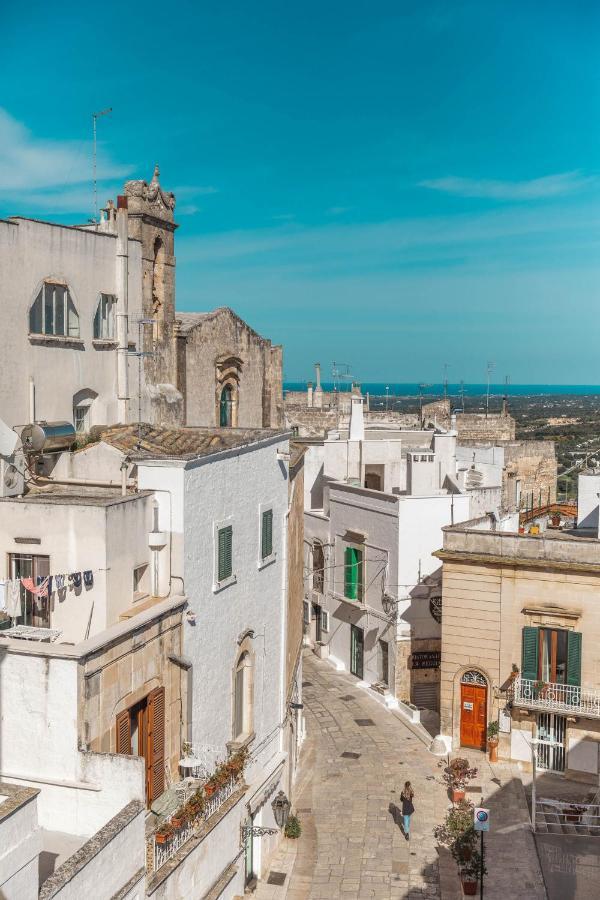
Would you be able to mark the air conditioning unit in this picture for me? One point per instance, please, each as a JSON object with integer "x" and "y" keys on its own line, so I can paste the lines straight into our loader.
{"x": 12, "y": 475}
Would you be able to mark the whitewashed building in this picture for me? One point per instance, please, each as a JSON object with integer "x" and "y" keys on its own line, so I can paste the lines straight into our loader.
{"x": 376, "y": 501}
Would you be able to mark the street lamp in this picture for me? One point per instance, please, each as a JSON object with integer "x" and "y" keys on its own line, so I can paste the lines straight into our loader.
{"x": 281, "y": 809}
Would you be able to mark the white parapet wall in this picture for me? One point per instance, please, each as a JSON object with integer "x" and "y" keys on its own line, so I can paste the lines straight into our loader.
{"x": 20, "y": 842}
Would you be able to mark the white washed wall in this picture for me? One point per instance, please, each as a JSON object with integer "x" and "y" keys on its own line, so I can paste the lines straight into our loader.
{"x": 20, "y": 845}
{"x": 29, "y": 253}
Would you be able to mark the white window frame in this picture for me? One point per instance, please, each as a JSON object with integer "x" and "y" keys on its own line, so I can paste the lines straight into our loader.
{"x": 69, "y": 331}
{"x": 83, "y": 409}
{"x": 325, "y": 621}
{"x": 140, "y": 594}
{"x": 306, "y": 612}
{"x": 232, "y": 579}
{"x": 107, "y": 322}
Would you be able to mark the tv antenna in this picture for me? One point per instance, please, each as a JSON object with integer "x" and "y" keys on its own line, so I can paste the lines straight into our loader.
{"x": 140, "y": 354}
{"x": 489, "y": 369}
{"x": 422, "y": 387}
{"x": 462, "y": 393}
{"x": 446, "y": 367}
{"x": 95, "y": 117}
{"x": 340, "y": 372}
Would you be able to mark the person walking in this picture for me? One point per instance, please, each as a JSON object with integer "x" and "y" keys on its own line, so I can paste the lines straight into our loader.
{"x": 407, "y": 807}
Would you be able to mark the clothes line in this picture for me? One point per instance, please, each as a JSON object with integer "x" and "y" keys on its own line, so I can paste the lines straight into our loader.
{"x": 43, "y": 587}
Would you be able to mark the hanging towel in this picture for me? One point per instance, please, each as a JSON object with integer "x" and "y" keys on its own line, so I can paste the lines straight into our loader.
{"x": 28, "y": 584}
{"x": 88, "y": 578}
{"x": 3, "y": 592}
{"x": 75, "y": 578}
{"x": 59, "y": 581}
{"x": 13, "y": 598}
{"x": 50, "y": 581}
{"x": 41, "y": 588}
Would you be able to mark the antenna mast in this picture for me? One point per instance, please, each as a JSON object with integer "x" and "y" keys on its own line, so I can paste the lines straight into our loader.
{"x": 490, "y": 368}
{"x": 95, "y": 117}
{"x": 462, "y": 393}
{"x": 446, "y": 367}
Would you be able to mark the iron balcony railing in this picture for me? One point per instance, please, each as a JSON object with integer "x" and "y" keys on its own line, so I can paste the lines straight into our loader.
{"x": 560, "y": 698}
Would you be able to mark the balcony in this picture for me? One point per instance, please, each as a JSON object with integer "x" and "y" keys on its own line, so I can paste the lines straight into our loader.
{"x": 557, "y": 698}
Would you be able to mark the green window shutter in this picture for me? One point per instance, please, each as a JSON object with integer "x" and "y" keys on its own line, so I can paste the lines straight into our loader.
{"x": 529, "y": 657}
{"x": 267, "y": 533}
{"x": 350, "y": 573}
{"x": 574, "y": 658}
{"x": 359, "y": 574}
{"x": 225, "y": 545}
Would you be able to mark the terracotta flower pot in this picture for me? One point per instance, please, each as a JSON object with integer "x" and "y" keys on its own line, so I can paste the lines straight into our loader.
{"x": 457, "y": 794}
{"x": 162, "y": 838}
{"x": 469, "y": 888}
{"x": 493, "y": 749}
{"x": 209, "y": 790}
{"x": 178, "y": 822}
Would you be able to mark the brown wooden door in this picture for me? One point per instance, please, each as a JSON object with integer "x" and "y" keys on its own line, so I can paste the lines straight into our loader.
{"x": 155, "y": 754}
{"x": 473, "y": 716}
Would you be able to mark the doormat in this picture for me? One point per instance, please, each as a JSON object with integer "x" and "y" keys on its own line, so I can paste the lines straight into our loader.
{"x": 276, "y": 878}
{"x": 364, "y": 722}
{"x": 347, "y": 754}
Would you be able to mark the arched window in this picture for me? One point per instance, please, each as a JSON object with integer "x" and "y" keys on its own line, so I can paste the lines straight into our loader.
{"x": 318, "y": 560}
{"x": 53, "y": 312}
{"x": 226, "y": 407}
{"x": 82, "y": 402}
{"x": 158, "y": 271}
{"x": 242, "y": 697}
{"x": 104, "y": 320}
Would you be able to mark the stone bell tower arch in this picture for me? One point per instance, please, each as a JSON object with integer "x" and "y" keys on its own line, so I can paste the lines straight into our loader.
{"x": 151, "y": 221}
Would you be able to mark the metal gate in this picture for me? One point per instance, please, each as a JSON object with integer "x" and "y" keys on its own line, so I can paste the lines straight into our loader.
{"x": 551, "y": 754}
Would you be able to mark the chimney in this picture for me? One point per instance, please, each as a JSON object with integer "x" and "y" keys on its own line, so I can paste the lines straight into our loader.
{"x": 122, "y": 317}
{"x": 357, "y": 422}
{"x": 318, "y": 399}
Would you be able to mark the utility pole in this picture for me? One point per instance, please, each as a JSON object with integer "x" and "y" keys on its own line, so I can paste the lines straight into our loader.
{"x": 446, "y": 367}
{"x": 95, "y": 117}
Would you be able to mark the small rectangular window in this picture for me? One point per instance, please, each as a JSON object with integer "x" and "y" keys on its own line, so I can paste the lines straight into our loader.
{"x": 267, "y": 533}
{"x": 306, "y": 613}
{"x": 225, "y": 557}
{"x": 80, "y": 417}
{"x": 104, "y": 320}
{"x": 324, "y": 621}
{"x": 140, "y": 581}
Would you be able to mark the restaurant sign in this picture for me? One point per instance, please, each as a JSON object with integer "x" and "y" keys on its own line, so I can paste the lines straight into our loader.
{"x": 426, "y": 659}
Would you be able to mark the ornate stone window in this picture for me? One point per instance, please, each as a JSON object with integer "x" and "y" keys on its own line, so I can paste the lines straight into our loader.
{"x": 243, "y": 689}
{"x": 228, "y": 374}
{"x": 473, "y": 677}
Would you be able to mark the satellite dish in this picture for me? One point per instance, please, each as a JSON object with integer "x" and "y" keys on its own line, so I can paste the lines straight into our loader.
{"x": 8, "y": 440}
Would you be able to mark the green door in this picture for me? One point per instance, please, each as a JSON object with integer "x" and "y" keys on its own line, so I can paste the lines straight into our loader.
{"x": 356, "y": 651}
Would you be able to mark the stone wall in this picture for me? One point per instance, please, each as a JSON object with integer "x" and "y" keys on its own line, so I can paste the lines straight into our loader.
{"x": 473, "y": 427}
{"x": 219, "y": 348}
{"x": 534, "y": 464}
{"x": 437, "y": 413}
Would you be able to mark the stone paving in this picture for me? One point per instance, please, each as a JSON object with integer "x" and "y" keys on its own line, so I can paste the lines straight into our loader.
{"x": 351, "y": 844}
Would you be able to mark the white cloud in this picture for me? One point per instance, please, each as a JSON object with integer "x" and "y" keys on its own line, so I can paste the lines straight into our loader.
{"x": 534, "y": 189}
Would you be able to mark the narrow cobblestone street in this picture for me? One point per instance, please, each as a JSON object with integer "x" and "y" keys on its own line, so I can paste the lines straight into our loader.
{"x": 351, "y": 844}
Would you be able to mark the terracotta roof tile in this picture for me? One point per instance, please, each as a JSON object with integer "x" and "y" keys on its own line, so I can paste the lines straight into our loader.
{"x": 159, "y": 442}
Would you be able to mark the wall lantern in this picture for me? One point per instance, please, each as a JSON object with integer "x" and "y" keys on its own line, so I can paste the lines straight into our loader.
{"x": 281, "y": 809}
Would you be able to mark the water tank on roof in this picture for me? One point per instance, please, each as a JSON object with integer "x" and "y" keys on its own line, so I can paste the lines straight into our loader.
{"x": 49, "y": 437}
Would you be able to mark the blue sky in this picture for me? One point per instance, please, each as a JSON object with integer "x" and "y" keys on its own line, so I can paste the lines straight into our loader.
{"x": 393, "y": 184}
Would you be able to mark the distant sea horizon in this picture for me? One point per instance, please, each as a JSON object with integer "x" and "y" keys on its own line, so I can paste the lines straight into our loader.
{"x": 379, "y": 389}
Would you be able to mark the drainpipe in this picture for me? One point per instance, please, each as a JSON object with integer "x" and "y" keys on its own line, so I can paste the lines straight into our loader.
{"x": 31, "y": 399}
{"x": 122, "y": 310}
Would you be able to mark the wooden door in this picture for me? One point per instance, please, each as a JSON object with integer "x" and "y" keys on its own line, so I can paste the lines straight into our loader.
{"x": 356, "y": 651}
{"x": 473, "y": 716}
{"x": 154, "y": 750}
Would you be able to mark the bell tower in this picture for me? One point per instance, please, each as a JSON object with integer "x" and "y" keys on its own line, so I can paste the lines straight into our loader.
{"x": 151, "y": 221}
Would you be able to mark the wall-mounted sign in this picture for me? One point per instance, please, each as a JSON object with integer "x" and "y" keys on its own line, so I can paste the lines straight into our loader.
{"x": 426, "y": 659}
{"x": 481, "y": 819}
{"x": 468, "y": 706}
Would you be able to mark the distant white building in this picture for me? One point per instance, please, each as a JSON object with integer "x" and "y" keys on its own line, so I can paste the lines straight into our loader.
{"x": 376, "y": 500}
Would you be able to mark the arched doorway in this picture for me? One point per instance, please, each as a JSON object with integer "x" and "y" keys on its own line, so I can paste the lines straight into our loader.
{"x": 473, "y": 710}
{"x": 226, "y": 407}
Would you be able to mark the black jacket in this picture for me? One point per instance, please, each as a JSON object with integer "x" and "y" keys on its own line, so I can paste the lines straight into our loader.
{"x": 407, "y": 804}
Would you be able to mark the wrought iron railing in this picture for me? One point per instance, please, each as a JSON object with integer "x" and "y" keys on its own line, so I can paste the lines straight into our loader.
{"x": 562, "y": 698}
{"x": 161, "y": 852}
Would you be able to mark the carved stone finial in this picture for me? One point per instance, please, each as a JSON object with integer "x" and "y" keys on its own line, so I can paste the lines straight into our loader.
{"x": 156, "y": 175}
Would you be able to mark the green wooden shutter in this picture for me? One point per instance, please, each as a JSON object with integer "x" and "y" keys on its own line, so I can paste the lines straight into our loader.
{"x": 359, "y": 574}
{"x": 267, "y": 533}
{"x": 225, "y": 545}
{"x": 529, "y": 657}
{"x": 350, "y": 573}
{"x": 574, "y": 658}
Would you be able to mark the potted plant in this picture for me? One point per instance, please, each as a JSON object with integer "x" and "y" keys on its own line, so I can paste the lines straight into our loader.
{"x": 514, "y": 671}
{"x": 293, "y": 829}
{"x": 470, "y": 874}
{"x": 539, "y": 687}
{"x": 574, "y": 813}
{"x": 493, "y": 740}
{"x": 555, "y": 517}
{"x": 164, "y": 833}
{"x": 179, "y": 818}
{"x": 457, "y": 832}
{"x": 456, "y": 776}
